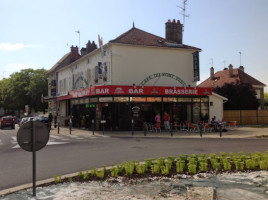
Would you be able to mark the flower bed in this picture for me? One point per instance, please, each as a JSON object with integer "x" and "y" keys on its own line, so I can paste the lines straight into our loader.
{"x": 170, "y": 166}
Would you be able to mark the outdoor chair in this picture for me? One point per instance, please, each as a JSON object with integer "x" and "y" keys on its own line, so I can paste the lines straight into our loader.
{"x": 207, "y": 127}
{"x": 157, "y": 127}
{"x": 193, "y": 127}
{"x": 232, "y": 124}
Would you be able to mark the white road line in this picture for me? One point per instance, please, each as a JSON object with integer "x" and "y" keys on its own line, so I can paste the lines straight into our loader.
{"x": 49, "y": 143}
{"x": 1, "y": 142}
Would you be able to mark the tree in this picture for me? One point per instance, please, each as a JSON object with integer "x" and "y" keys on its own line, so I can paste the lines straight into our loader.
{"x": 24, "y": 88}
{"x": 266, "y": 100}
{"x": 240, "y": 96}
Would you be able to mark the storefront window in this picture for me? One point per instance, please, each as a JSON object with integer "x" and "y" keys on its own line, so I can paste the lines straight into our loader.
{"x": 196, "y": 99}
{"x": 196, "y": 112}
{"x": 204, "y": 111}
{"x": 121, "y": 99}
{"x": 105, "y": 99}
{"x": 184, "y": 99}
{"x": 170, "y": 99}
{"x": 93, "y": 99}
{"x": 138, "y": 99}
{"x": 204, "y": 99}
{"x": 154, "y": 99}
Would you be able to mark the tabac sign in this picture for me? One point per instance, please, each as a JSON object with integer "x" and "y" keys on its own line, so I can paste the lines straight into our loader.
{"x": 122, "y": 90}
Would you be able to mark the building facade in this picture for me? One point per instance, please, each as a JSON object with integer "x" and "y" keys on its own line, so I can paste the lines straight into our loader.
{"x": 129, "y": 80}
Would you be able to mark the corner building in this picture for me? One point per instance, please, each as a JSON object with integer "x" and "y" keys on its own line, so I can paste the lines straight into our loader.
{"x": 131, "y": 78}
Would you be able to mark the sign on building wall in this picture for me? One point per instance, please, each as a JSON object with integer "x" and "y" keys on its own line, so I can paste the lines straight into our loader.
{"x": 196, "y": 66}
{"x": 137, "y": 91}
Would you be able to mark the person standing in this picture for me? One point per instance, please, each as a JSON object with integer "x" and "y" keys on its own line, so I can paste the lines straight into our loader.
{"x": 158, "y": 120}
{"x": 166, "y": 121}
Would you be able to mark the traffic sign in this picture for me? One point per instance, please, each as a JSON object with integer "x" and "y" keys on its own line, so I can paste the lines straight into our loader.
{"x": 25, "y": 138}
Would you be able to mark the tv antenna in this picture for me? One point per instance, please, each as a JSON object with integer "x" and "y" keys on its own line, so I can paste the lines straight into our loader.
{"x": 79, "y": 36}
{"x": 240, "y": 57}
{"x": 183, "y": 9}
{"x": 211, "y": 59}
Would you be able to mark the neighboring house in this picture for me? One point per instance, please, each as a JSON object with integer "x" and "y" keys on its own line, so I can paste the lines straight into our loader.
{"x": 234, "y": 76}
{"x": 130, "y": 79}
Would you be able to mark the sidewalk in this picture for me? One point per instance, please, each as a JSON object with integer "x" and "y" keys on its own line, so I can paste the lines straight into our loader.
{"x": 239, "y": 132}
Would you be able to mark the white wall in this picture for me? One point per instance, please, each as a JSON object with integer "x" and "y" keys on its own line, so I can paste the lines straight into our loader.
{"x": 132, "y": 64}
{"x": 217, "y": 108}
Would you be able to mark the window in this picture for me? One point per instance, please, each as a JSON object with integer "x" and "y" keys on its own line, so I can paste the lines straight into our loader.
{"x": 105, "y": 99}
{"x": 96, "y": 74}
{"x": 154, "y": 99}
{"x": 121, "y": 99}
{"x": 138, "y": 99}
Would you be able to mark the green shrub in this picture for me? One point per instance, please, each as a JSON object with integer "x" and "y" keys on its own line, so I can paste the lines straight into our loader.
{"x": 164, "y": 170}
{"x": 183, "y": 157}
{"x": 226, "y": 165}
{"x": 215, "y": 165}
{"x": 239, "y": 165}
{"x": 203, "y": 166}
{"x": 155, "y": 168}
{"x": 171, "y": 159}
{"x": 114, "y": 171}
{"x": 192, "y": 168}
{"x": 85, "y": 175}
{"x": 180, "y": 165}
{"x": 101, "y": 174}
{"x": 263, "y": 165}
{"x": 250, "y": 164}
{"x": 141, "y": 168}
{"x": 80, "y": 175}
{"x": 213, "y": 156}
{"x": 93, "y": 172}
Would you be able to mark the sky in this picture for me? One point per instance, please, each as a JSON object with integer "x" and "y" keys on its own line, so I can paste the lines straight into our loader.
{"x": 36, "y": 33}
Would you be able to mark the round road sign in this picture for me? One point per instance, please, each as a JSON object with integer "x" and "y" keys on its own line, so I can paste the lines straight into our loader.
{"x": 24, "y": 135}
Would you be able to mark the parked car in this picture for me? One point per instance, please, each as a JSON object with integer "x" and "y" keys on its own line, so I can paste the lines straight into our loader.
{"x": 7, "y": 121}
{"x": 23, "y": 120}
{"x": 43, "y": 120}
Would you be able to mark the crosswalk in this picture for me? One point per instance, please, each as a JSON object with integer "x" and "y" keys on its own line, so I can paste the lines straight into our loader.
{"x": 53, "y": 140}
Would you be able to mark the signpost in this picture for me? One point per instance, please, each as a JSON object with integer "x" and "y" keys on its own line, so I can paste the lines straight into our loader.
{"x": 33, "y": 136}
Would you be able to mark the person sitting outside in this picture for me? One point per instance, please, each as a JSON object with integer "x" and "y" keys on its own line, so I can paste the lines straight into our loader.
{"x": 158, "y": 121}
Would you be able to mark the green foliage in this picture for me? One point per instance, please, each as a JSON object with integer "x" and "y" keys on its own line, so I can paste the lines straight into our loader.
{"x": 164, "y": 170}
{"x": 192, "y": 168}
{"x": 94, "y": 171}
{"x": 141, "y": 168}
{"x": 180, "y": 165}
{"x": 239, "y": 165}
{"x": 80, "y": 174}
{"x": 149, "y": 163}
{"x": 101, "y": 174}
{"x": 24, "y": 88}
{"x": 203, "y": 166}
{"x": 85, "y": 175}
{"x": 226, "y": 165}
{"x": 263, "y": 165}
{"x": 70, "y": 179}
{"x": 114, "y": 171}
{"x": 240, "y": 96}
{"x": 129, "y": 167}
{"x": 155, "y": 169}
{"x": 183, "y": 157}
{"x": 57, "y": 179}
{"x": 161, "y": 161}
{"x": 250, "y": 164}
{"x": 171, "y": 158}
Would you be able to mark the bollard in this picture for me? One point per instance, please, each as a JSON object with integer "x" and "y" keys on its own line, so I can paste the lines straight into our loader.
{"x": 58, "y": 128}
{"x": 220, "y": 127}
{"x": 132, "y": 126}
{"x": 70, "y": 127}
{"x": 200, "y": 129}
{"x": 93, "y": 125}
{"x": 171, "y": 130}
{"x": 144, "y": 129}
{"x": 103, "y": 129}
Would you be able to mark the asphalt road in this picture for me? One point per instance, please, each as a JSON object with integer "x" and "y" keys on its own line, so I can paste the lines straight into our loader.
{"x": 68, "y": 154}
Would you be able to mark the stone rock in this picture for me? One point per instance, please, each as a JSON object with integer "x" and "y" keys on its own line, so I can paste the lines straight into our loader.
{"x": 201, "y": 193}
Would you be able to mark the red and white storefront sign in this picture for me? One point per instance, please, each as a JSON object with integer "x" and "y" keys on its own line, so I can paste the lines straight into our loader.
{"x": 116, "y": 90}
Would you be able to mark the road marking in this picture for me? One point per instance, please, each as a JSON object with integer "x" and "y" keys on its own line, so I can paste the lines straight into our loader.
{"x": 1, "y": 142}
{"x": 49, "y": 143}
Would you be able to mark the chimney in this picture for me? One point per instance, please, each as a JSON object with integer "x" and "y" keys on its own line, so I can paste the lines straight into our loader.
{"x": 83, "y": 51}
{"x": 230, "y": 70}
{"x": 242, "y": 68}
{"x": 212, "y": 73}
{"x": 91, "y": 46}
{"x": 74, "y": 53}
{"x": 174, "y": 31}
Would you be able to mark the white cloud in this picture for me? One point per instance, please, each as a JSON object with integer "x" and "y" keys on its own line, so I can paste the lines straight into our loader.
{"x": 14, "y": 67}
{"x": 16, "y": 46}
